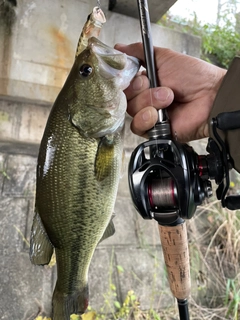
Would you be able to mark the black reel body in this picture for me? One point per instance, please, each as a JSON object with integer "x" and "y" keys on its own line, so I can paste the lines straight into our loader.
{"x": 168, "y": 180}
{"x": 165, "y": 180}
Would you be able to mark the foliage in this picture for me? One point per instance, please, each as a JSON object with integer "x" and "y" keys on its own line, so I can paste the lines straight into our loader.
{"x": 220, "y": 42}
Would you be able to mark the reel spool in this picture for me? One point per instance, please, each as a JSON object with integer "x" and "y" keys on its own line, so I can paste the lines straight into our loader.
{"x": 162, "y": 192}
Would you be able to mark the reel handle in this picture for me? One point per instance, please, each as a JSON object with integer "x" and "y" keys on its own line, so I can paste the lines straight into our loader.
{"x": 228, "y": 120}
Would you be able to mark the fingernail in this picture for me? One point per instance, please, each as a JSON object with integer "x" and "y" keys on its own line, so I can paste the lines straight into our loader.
{"x": 137, "y": 83}
{"x": 146, "y": 116}
{"x": 120, "y": 45}
{"x": 161, "y": 94}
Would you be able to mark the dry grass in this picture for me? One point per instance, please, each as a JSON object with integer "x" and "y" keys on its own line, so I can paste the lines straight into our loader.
{"x": 214, "y": 236}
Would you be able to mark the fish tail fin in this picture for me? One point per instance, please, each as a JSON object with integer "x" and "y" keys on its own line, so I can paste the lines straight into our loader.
{"x": 66, "y": 304}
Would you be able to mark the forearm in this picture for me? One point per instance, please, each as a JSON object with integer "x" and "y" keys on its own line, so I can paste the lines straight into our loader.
{"x": 227, "y": 100}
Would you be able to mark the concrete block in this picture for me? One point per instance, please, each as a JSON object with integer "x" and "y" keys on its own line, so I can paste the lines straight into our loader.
{"x": 124, "y": 222}
{"x": 25, "y": 289}
{"x": 102, "y": 273}
{"x": 123, "y": 187}
{"x": 19, "y": 148}
{"x": 22, "y": 176}
{"x": 144, "y": 273}
{"x": 147, "y": 233}
{"x": 13, "y": 214}
{"x": 175, "y": 40}
{"x": 22, "y": 122}
{"x": 156, "y": 8}
{"x": 129, "y": 32}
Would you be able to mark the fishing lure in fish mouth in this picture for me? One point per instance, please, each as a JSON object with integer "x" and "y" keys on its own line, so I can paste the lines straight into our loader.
{"x": 79, "y": 166}
{"x": 92, "y": 28}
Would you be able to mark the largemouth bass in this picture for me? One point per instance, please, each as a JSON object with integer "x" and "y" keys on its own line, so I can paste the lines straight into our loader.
{"x": 78, "y": 171}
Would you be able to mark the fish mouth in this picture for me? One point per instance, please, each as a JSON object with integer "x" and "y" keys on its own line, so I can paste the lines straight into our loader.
{"x": 114, "y": 64}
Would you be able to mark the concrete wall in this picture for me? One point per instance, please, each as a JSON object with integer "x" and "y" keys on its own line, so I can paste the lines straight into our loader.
{"x": 37, "y": 46}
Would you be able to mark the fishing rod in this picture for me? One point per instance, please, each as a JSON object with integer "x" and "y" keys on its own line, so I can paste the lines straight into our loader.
{"x": 172, "y": 228}
{"x": 168, "y": 180}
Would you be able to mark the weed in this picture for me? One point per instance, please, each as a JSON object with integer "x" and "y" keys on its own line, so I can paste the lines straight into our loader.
{"x": 22, "y": 236}
{"x": 5, "y": 175}
{"x": 3, "y": 171}
{"x": 232, "y": 299}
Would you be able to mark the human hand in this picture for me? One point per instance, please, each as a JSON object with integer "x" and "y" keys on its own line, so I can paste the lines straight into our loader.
{"x": 188, "y": 88}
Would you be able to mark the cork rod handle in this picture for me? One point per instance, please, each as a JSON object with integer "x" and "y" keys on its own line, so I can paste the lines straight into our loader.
{"x": 176, "y": 255}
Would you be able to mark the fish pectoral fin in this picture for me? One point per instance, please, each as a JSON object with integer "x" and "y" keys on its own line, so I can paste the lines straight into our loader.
{"x": 41, "y": 249}
{"x": 110, "y": 230}
{"x": 104, "y": 158}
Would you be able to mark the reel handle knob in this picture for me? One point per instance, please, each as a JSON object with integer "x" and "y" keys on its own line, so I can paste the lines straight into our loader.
{"x": 228, "y": 120}
{"x": 232, "y": 202}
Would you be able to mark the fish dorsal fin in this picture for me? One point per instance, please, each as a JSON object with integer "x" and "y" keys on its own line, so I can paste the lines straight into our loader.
{"x": 41, "y": 249}
{"x": 110, "y": 230}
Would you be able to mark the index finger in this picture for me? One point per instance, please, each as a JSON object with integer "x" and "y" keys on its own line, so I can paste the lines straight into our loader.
{"x": 134, "y": 49}
{"x": 137, "y": 85}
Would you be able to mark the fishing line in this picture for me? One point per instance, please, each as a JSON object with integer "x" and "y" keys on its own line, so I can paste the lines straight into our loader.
{"x": 145, "y": 25}
{"x": 147, "y": 42}
{"x": 99, "y": 4}
{"x": 148, "y": 46}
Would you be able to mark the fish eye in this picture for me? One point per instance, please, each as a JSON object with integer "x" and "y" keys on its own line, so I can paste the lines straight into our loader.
{"x": 85, "y": 70}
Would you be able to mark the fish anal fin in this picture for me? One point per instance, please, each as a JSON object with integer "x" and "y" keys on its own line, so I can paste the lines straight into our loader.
{"x": 110, "y": 230}
{"x": 41, "y": 249}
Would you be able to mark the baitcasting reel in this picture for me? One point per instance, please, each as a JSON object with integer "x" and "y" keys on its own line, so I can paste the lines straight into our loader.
{"x": 169, "y": 180}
